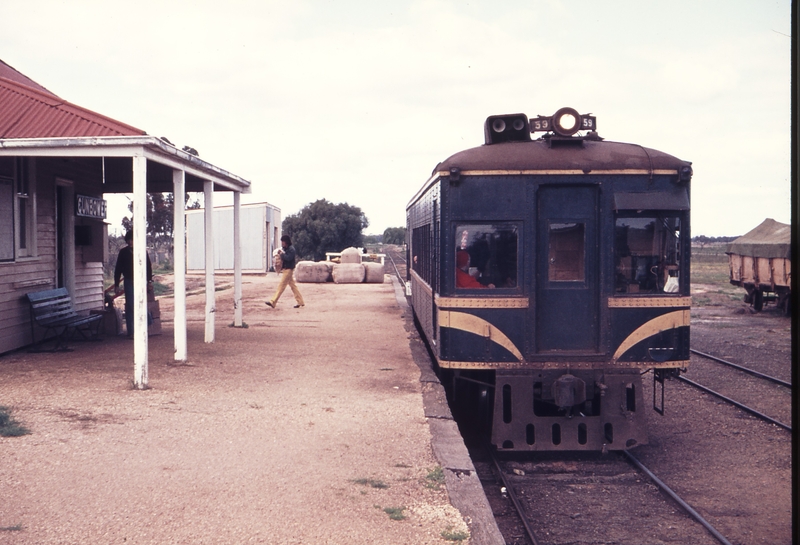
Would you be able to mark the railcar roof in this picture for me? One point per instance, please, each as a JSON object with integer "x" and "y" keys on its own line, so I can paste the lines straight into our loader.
{"x": 541, "y": 155}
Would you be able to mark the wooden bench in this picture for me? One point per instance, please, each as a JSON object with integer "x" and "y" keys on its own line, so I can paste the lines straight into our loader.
{"x": 52, "y": 310}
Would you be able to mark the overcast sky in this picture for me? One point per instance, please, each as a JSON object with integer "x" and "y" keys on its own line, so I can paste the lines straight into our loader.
{"x": 357, "y": 101}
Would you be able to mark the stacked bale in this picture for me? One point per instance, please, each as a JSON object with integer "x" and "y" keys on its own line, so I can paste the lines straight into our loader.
{"x": 373, "y": 273}
{"x": 351, "y": 255}
{"x": 348, "y": 273}
{"x": 311, "y": 272}
{"x": 349, "y": 270}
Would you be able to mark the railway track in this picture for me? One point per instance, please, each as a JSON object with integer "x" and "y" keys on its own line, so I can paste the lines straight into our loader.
{"x": 731, "y": 469}
{"x": 397, "y": 259}
{"x": 761, "y": 395}
{"x": 613, "y": 498}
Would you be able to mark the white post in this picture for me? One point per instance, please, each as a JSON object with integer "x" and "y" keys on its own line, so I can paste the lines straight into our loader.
{"x": 208, "y": 192}
{"x": 140, "y": 272}
{"x": 179, "y": 266}
{"x": 237, "y": 261}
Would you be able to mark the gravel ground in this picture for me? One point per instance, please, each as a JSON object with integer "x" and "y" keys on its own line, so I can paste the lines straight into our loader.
{"x": 305, "y": 427}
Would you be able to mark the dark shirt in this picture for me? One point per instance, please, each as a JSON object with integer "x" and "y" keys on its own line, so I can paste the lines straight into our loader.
{"x": 124, "y": 266}
{"x": 289, "y": 256}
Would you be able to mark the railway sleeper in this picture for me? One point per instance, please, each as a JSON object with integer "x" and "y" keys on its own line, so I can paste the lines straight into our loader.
{"x": 568, "y": 410}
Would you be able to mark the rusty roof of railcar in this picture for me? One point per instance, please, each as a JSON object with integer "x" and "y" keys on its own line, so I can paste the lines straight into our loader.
{"x": 28, "y": 112}
{"x": 585, "y": 156}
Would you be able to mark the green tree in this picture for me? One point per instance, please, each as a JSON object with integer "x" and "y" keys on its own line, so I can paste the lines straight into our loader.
{"x": 322, "y": 226}
{"x": 160, "y": 214}
{"x": 160, "y": 210}
{"x": 394, "y": 235}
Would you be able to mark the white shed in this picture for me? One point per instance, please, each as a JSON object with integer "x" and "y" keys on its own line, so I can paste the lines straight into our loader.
{"x": 260, "y": 225}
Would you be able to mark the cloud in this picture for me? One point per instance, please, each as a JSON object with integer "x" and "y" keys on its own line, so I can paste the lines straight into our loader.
{"x": 357, "y": 101}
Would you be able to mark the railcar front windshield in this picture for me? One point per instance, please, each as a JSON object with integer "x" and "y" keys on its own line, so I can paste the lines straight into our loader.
{"x": 487, "y": 253}
{"x": 647, "y": 253}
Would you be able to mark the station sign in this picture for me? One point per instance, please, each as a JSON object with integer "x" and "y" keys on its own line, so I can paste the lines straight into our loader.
{"x": 91, "y": 207}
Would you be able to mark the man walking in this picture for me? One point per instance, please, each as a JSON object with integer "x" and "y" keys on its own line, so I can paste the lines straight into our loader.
{"x": 288, "y": 256}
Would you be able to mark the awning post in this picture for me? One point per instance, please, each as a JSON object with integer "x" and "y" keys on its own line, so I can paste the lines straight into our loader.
{"x": 208, "y": 192}
{"x": 237, "y": 262}
{"x": 140, "y": 340}
{"x": 179, "y": 265}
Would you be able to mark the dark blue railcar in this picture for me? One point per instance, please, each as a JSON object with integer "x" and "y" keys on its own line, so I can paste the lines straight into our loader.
{"x": 554, "y": 272}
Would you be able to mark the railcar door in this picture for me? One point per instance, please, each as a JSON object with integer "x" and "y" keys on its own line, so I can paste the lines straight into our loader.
{"x": 567, "y": 271}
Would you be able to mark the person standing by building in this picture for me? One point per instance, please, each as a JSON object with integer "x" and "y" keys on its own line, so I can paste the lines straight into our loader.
{"x": 288, "y": 257}
{"x": 124, "y": 270}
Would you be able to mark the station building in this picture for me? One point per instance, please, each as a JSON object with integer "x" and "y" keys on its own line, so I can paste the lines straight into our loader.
{"x": 57, "y": 162}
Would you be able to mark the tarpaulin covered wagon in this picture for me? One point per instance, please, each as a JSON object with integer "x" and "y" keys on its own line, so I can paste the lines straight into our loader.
{"x": 761, "y": 262}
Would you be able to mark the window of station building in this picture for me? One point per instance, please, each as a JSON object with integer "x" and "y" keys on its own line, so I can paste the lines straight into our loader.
{"x": 566, "y": 251}
{"x": 486, "y": 256}
{"x": 6, "y": 218}
{"x": 647, "y": 254}
{"x": 17, "y": 208}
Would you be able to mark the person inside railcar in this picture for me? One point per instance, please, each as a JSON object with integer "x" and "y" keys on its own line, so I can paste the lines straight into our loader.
{"x": 463, "y": 278}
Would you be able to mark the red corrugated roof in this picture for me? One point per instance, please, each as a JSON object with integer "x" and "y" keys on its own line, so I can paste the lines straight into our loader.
{"x": 27, "y": 112}
{"x": 9, "y": 72}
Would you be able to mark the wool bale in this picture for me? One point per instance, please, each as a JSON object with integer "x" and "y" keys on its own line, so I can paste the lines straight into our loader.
{"x": 310, "y": 272}
{"x": 373, "y": 273}
{"x": 328, "y": 265}
{"x": 351, "y": 255}
{"x": 348, "y": 273}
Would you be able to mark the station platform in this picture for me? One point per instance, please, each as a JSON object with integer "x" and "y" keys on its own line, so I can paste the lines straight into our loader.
{"x": 323, "y": 424}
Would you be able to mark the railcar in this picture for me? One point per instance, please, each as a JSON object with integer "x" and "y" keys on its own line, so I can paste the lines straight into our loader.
{"x": 548, "y": 275}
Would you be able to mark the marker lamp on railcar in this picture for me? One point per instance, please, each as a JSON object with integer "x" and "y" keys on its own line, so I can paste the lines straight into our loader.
{"x": 506, "y": 128}
{"x": 686, "y": 173}
{"x": 565, "y": 122}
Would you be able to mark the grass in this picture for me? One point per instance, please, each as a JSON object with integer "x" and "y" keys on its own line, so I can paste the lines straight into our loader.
{"x": 451, "y": 535}
{"x": 710, "y": 267}
{"x": 435, "y": 478}
{"x": 371, "y": 483}
{"x": 10, "y": 427}
{"x": 161, "y": 289}
{"x": 395, "y": 513}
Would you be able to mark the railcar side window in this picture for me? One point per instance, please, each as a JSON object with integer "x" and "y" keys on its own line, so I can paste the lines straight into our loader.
{"x": 566, "y": 252}
{"x": 421, "y": 245}
{"x": 647, "y": 254}
{"x": 486, "y": 255}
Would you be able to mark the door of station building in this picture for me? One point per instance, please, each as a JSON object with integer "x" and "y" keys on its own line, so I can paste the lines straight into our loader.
{"x": 567, "y": 271}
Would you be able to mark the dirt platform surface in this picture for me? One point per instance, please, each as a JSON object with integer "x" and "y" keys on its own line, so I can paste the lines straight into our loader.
{"x": 307, "y": 426}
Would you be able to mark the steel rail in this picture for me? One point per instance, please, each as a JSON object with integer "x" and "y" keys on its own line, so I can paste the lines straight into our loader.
{"x": 397, "y": 272}
{"x": 514, "y": 499}
{"x": 688, "y": 508}
{"x": 736, "y": 403}
{"x": 741, "y": 368}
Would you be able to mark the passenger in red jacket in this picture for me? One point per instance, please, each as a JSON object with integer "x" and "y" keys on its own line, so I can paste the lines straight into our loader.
{"x": 463, "y": 278}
